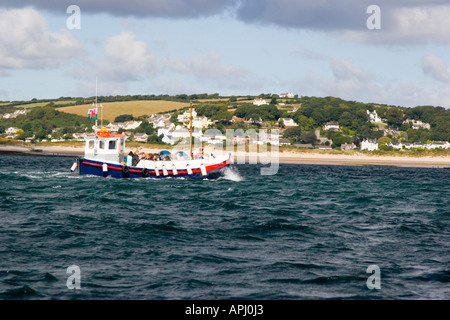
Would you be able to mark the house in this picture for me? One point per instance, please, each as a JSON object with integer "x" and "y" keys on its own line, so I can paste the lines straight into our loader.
{"x": 285, "y": 142}
{"x": 159, "y": 120}
{"x": 288, "y": 122}
{"x": 395, "y": 145}
{"x": 79, "y": 136}
{"x": 331, "y": 126}
{"x": 112, "y": 127}
{"x": 417, "y": 124}
{"x": 213, "y": 138}
{"x": 393, "y": 132}
{"x": 287, "y": 95}
{"x": 303, "y": 145}
{"x": 179, "y": 133}
{"x": 201, "y": 122}
{"x": 166, "y": 128}
{"x": 369, "y": 144}
{"x": 373, "y": 116}
{"x": 186, "y": 115}
{"x": 323, "y": 147}
{"x": 130, "y": 125}
{"x": 259, "y": 102}
{"x": 254, "y": 121}
{"x": 417, "y": 145}
{"x": 438, "y": 145}
{"x": 12, "y": 130}
{"x": 348, "y": 146}
{"x": 140, "y": 137}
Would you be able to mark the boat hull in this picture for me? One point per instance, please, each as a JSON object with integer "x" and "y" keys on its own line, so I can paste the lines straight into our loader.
{"x": 99, "y": 168}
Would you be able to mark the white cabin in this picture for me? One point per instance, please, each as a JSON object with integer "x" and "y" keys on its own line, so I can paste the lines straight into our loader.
{"x": 104, "y": 146}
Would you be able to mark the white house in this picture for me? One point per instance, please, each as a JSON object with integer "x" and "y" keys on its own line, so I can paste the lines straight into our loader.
{"x": 259, "y": 102}
{"x": 180, "y": 133}
{"x": 331, "y": 126}
{"x": 201, "y": 122}
{"x": 186, "y": 115}
{"x": 140, "y": 137}
{"x": 373, "y": 116}
{"x": 395, "y": 145}
{"x": 287, "y": 95}
{"x": 288, "y": 122}
{"x": 348, "y": 146}
{"x": 12, "y": 130}
{"x": 417, "y": 124}
{"x": 166, "y": 128}
{"x": 369, "y": 144}
{"x": 438, "y": 145}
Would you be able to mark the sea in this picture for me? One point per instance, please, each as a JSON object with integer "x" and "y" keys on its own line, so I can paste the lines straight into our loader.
{"x": 308, "y": 232}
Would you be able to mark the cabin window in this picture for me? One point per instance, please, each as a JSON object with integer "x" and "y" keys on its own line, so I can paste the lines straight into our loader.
{"x": 91, "y": 144}
{"x": 112, "y": 144}
{"x": 101, "y": 144}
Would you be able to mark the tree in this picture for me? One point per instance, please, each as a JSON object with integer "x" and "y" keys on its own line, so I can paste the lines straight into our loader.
{"x": 293, "y": 133}
{"x": 346, "y": 119}
{"x": 394, "y": 117}
{"x": 123, "y": 118}
{"x": 383, "y": 141}
{"x": 338, "y": 139}
{"x": 308, "y": 137}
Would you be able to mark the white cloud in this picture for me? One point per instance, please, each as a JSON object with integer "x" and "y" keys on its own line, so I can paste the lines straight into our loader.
{"x": 125, "y": 58}
{"x": 343, "y": 69}
{"x": 26, "y": 41}
{"x": 208, "y": 67}
{"x": 349, "y": 82}
{"x": 436, "y": 67}
{"x": 405, "y": 25}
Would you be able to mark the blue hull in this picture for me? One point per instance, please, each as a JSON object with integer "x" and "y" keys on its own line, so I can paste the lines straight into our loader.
{"x": 91, "y": 167}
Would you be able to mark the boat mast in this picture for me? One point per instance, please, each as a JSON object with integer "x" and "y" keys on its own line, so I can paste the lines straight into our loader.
{"x": 96, "y": 108}
{"x": 190, "y": 130}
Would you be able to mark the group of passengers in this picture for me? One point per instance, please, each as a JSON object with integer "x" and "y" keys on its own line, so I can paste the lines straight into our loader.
{"x": 133, "y": 158}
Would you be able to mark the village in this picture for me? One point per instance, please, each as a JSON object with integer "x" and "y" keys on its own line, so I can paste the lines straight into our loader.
{"x": 172, "y": 132}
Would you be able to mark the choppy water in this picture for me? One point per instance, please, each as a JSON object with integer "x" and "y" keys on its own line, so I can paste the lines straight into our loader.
{"x": 308, "y": 232}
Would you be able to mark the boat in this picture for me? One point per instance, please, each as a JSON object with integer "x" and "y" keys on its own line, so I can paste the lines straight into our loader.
{"x": 105, "y": 156}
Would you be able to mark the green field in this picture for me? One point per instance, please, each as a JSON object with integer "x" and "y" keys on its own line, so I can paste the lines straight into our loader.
{"x": 136, "y": 108}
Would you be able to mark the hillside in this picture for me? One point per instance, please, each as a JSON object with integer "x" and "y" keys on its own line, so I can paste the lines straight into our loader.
{"x": 136, "y": 108}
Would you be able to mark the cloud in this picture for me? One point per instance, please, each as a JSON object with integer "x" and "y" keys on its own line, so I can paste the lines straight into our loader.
{"x": 352, "y": 83}
{"x": 343, "y": 69}
{"x": 26, "y": 41}
{"x": 402, "y": 21}
{"x": 139, "y": 8}
{"x": 406, "y": 25}
{"x": 125, "y": 58}
{"x": 436, "y": 68}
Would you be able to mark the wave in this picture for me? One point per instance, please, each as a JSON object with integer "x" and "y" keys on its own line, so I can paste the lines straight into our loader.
{"x": 232, "y": 173}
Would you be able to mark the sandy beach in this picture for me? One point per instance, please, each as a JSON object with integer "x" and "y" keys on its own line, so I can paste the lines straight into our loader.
{"x": 355, "y": 159}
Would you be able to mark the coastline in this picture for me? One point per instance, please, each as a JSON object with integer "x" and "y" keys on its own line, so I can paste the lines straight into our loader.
{"x": 357, "y": 159}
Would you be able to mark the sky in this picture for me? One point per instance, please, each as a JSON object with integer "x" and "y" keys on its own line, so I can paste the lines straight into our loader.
{"x": 392, "y": 52}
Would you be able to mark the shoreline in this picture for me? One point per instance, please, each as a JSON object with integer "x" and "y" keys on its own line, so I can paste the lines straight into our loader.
{"x": 281, "y": 157}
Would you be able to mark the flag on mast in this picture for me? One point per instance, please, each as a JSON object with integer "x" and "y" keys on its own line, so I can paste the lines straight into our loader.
{"x": 92, "y": 113}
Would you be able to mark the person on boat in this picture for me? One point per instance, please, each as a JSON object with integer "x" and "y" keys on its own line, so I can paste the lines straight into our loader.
{"x": 135, "y": 158}
{"x": 200, "y": 155}
{"x": 129, "y": 159}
